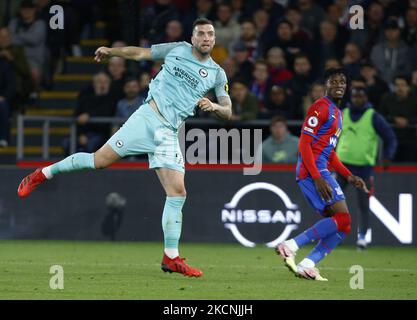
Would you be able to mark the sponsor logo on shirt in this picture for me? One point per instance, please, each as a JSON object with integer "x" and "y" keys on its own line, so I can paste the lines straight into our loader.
{"x": 181, "y": 73}
{"x": 333, "y": 141}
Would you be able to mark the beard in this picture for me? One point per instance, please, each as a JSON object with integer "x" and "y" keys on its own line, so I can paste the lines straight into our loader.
{"x": 203, "y": 53}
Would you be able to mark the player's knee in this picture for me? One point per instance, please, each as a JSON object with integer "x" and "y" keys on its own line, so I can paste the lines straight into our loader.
{"x": 343, "y": 221}
{"x": 177, "y": 191}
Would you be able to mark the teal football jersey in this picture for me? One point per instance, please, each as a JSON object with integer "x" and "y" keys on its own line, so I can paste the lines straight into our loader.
{"x": 183, "y": 81}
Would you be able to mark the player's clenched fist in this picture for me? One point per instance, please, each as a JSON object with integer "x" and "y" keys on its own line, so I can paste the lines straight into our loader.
{"x": 102, "y": 53}
{"x": 358, "y": 183}
{"x": 206, "y": 105}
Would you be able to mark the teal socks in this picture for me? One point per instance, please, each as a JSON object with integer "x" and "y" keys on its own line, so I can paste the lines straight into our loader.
{"x": 75, "y": 162}
{"x": 172, "y": 221}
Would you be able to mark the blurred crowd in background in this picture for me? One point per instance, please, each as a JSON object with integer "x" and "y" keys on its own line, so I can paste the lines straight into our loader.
{"x": 274, "y": 54}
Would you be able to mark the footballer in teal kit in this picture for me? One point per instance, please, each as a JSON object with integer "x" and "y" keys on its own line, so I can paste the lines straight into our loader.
{"x": 187, "y": 75}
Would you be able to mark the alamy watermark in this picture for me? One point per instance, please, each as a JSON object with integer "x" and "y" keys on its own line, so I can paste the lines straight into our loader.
{"x": 221, "y": 146}
{"x": 57, "y": 20}
{"x": 356, "y": 20}
{"x": 357, "y": 281}
{"x": 57, "y": 280}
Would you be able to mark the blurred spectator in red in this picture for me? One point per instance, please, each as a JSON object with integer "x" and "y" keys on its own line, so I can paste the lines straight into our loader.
{"x": 7, "y": 92}
{"x": 278, "y": 103}
{"x": 260, "y": 84}
{"x": 278, "y": 66}
{"x": 201, "y": 9}
{"x": 16, "y": 57}
{"x": 372, "y": 32}
{"x": 376, "y": 87}
{"x": 227, "y": 29}
{"x": 244, "y": 103}
{"x": 154, "y": 19}
{"x": 248, "y": 39}
{"x": 30, "y": 32}
{"x": 399, "y": 108}
{"x": 312, "y": 15}
{"x": 293, "y": 15}
{"x": 173, "y": 32}
{"x": 352, "y": 59}
{"x": 391, "y": 56}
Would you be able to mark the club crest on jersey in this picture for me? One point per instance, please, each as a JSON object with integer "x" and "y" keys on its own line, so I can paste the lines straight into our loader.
{"x": 313, "y": 121}
{"x": 203, "y": 72}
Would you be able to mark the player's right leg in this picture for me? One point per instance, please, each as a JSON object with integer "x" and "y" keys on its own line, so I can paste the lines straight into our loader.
{"x": 101, "y": 159}
{"x": 173, "y": 183}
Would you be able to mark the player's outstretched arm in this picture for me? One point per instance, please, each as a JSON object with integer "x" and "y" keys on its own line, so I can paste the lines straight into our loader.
{"x": 131, "y": 53}
{"x": 345, "y": 172}
{"x": 223, "y": 109}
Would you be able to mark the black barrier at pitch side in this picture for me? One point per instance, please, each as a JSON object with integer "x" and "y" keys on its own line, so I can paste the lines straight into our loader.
{"x": 222, "y": 206}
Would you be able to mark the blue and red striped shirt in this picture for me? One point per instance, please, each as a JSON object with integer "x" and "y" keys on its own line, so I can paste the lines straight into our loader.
{"x": 323, "y": 123}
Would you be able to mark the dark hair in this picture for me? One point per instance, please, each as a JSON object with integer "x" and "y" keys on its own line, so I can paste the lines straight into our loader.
{"x": 241, "y": 81}
{"x": 285, "y": 21}
{"x": 278, "y": 119}
{"x": 247, "y": 20}
{"x": 404, "y": 77}
{"x": 332, "y": 71}
{"x": 359, "y": 78}
{"x": 201, "y": 21}
{"x": 261, "y": 61}
{"x": 27, "y": 4}
{"x": 302, "y": 56}
{"x": 130, "y": 79}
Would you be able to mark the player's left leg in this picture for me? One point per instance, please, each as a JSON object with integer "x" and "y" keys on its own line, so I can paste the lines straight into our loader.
{"x": 339, "y": 213}
{"x": 173, "y": 184}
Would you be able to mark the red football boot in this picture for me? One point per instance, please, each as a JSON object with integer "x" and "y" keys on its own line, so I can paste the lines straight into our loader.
{"x": 178, "y": 265}
{"x": 30, "y": 183}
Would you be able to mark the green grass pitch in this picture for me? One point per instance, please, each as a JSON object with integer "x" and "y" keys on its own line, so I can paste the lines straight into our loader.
{"x": 121, "y": 270}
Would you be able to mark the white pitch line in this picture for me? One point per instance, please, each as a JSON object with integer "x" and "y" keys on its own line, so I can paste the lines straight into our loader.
{"x": 229, "y": 266}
